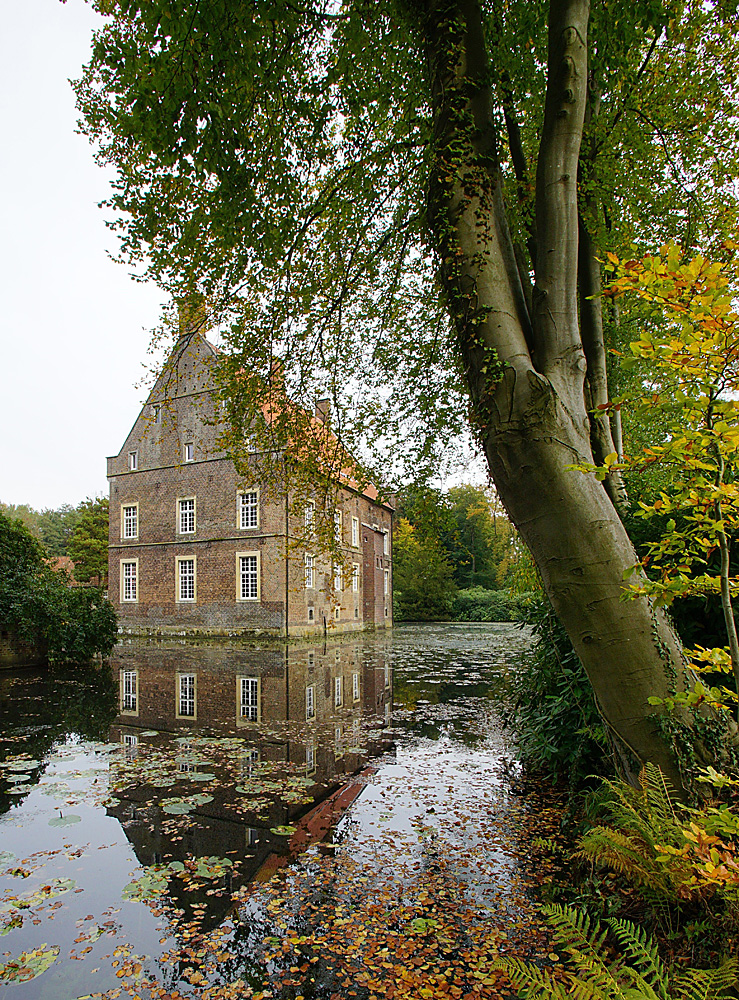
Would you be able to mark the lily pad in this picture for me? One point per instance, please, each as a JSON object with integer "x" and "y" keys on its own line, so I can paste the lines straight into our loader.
{"x": 283, "y": 831}
{"x": 19, "y": 789}
{"x": 69, "y": 820}
{"x": 148, "y": 886}
{"x": 18, "y": 778}
{"x": 194, "y": 776}
{"x": 21, "y": 765}
{"x": 199, "y": 799}
{"x": 29, "y": 964}
{"x": 177, "y": 807}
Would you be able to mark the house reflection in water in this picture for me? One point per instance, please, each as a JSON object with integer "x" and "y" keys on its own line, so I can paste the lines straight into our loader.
{"x": 281, "y": 724}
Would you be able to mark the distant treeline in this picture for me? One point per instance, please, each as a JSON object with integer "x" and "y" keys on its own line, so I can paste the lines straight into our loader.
{"x": 457, "y": 557}
{"x": 79, "y": 532}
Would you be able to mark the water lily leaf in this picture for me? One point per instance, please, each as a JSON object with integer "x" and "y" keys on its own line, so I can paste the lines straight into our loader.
{"x": 19, "y": 789}
{"x": 69, "y": 820}
{"x": 29, "y": 964}
{"x": 283, "y": 831}
{"x": 176, "y": 866}
{"x": 177, "y": 807}
{"x": 21, "y": 765}
{"x": 199, "y": 799}
{"x": 147, "y": 887}
{"x": 17, "y": 778}
{"x": 194, "y": 776}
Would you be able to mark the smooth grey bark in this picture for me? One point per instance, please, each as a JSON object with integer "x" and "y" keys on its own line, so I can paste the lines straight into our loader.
{"x": 530, "y": 406}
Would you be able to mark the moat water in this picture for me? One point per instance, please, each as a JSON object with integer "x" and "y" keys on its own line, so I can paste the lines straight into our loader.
{"x": 212, "y": 821}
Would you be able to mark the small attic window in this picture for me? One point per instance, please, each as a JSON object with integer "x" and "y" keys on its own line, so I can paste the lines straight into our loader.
{"x": 157, "y": 414}
{"x": 189, "y": 452}
{"x": 133, "y": 461}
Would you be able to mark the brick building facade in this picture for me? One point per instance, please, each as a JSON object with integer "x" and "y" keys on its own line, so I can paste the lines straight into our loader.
{"x": 194, "y": 548}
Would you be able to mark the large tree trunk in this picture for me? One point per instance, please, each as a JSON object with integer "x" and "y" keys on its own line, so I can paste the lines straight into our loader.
{"x": 526, "y": 366}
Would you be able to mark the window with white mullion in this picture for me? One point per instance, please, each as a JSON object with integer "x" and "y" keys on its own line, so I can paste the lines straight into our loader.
{"x": 249, "y": 509}
{"x": 355, "y": 532}
{"x": 187, "y": 695}
{"x": 187, "y": 579}
{"x": 130, "y": 690}
{"x": 310, "y": 703}
{"x": 249, "y": 577}
{"x": 250, "y": 698}
{"x": 309, "y": 571}
{"x": 131, "y": 521}
{"x": 130, "y": 581}
{"x": 187, "y": 516}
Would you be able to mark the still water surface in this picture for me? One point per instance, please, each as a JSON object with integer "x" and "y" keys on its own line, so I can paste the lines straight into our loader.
{"x": 169, "y": 825}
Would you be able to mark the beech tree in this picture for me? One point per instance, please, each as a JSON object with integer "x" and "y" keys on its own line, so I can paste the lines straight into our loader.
{"x": 403, "y": 202}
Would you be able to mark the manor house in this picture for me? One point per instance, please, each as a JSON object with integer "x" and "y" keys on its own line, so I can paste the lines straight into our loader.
{"x": 194, "y": 548}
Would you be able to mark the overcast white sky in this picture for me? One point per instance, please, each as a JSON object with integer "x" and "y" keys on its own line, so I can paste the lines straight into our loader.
{"x": 74, "y": 326}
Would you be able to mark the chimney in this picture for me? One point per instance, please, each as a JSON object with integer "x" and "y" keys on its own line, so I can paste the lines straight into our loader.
{"x": 323, "y": 410}
{"x": 192, "y": 314}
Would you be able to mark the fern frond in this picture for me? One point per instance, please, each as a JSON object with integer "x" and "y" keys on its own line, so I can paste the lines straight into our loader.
{"x": 575, "y": 935}
{"x": 538, "y": 984}
{"x": 707, "y": 984}
{"x": 617, "y": 850}
{"x": 642, "y": 951}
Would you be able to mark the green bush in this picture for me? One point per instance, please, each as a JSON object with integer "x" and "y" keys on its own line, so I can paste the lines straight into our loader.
{"x": 551, "y": 705}
{"x": 476, "y": 604}
{"x": 70, "y": 623}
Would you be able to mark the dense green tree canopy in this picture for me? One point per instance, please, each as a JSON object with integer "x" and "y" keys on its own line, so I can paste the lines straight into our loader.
{"x": 405, "y": 203}
{"x": 88, "y": 547}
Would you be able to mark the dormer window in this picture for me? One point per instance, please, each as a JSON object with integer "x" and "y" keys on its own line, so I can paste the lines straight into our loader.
{"x": 189, "y": 452}
{"x": 133, "y": 461}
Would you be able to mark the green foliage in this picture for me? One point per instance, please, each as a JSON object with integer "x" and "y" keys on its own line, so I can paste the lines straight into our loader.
{"x": 551, "y": 705}
{"x": 638, "y": 975}
{"x": 480, "y": 605}
{"x": 681, "y": 860}
{"x": 423, "y": 585}
{"x": 88, "y": 546}
{"x": 70, "y": 623}
{"x": 53, "y": 528}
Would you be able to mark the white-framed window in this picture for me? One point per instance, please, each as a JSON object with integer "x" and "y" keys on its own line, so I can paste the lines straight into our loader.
{"x": 189, "y": 451}
{"x": 355, "y": 687}
{"x": 338, "y": 576}
{"x": 339, "y": 741}
{"x": 310, "y": 758}
{"x": 249, "y": 692}
{"x": 186, "y": 515}
{"x": 131, "y": 743}
{"x": 252, "y": 836}
{"x": 310, "y": 702}
{"x": 310, "y": 516}
{"x": 310, "y": 573}
{"x": 129, "y": 581}
{"x": 355, "y": 532}
{"x": 386, "y": 581}
{"x": 186, "y": 696}
{"x": 157, "y": 413}
{"x": 387, "y": 676}
{"x": 186, "y": 579}
{"x": 247, "y": 576}
{"x": 355, "y": 577}
{"x": 133, "y": 461}
{"x": 338, "y": 692}
{"x": 337, "y": 526}
{"x": 249, "y": 509}
{"x": 385, "y": 542}
{"x": 130, "y": 520}
{"x": 130, "y": 691}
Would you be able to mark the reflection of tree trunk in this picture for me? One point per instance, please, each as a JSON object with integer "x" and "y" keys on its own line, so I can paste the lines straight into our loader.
{"x": 526, "y": 373}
